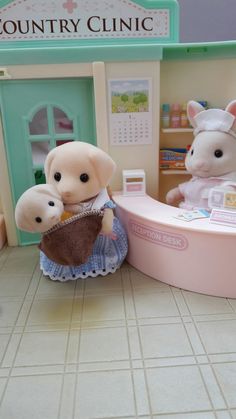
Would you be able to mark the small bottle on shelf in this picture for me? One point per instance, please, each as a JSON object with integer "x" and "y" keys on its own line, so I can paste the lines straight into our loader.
{"x": 204, "y": 103}
{"x": 175, "y": 116}
{"x": 165, "y": 115}
{"x": 183, "y": 117}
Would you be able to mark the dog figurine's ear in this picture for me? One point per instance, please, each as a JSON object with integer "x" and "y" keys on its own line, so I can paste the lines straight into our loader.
{"x": 103, "y": 165}
{"x": 48, "y": 163}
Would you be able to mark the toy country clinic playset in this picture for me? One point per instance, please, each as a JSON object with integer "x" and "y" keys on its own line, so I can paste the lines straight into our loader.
{"x": 67, "y": 71}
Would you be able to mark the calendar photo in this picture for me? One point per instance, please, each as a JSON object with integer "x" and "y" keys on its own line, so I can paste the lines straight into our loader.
{"x": 130, "y": 111}
{"x": 129, "y": 96}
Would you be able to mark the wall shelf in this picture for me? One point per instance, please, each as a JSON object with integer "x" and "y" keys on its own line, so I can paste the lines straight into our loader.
{"x": 174, "y": 172}
{"x": 176, "y": 130}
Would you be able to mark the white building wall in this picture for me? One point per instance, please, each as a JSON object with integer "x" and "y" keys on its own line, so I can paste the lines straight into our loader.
{"x": 138, "y": 156}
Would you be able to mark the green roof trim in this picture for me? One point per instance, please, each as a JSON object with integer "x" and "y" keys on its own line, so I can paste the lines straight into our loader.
{"x": 4, "y": 3}
{"x": 197, "y": 51}
{"x": 114, "y": 52}
{"x": 80, "y": 54}
{"x": 113, "y": 49}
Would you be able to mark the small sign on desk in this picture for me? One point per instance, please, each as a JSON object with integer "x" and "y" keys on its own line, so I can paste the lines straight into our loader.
{"x": 134, "y": 183}
{"x": 223, "y": 216}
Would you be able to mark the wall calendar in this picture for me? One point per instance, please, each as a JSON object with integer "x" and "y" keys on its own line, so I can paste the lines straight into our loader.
{"x": 130, "y": 111}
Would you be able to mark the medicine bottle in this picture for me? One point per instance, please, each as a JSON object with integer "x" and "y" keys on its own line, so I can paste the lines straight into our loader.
{"x": 175, "y": 116}
{"x": 183, "y": 117}
{"x": 165, "y": 115}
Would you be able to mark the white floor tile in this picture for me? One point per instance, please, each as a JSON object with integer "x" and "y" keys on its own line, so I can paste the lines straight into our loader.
{"x": 202, "y": 415}
{"x": 104, "y": 394}
{"x": 213, "y": 388}
{"x": 204, "y": 304}
{"x": 120, "y": 346}
{"x": 233, "y": 303}
{"x": 14, "y": 285}
{"x": 4, "y": 340}
{"x": 109, "y": 344}
{"x": 106, "y": 307}
{"x": 101, "y": 284}
{"x": 226, "y": 375}
{"x": 50, "y": 311}
{"x": 67, "y": 397}
{"x": 177, "y": 389}
{"x": 140, "y": 280}
{"x": 164, "y": 341}
{"x": 32, "y": 397}
{"x": 155, "y": 304}
{"x": 223, "y": 415}
{"x": 3, "y": 382}
{"x": 54, "y": 289}
{"x": 218, "y": 336}
{"x": 42, "y": 348}
{"x": 9, "y": 311}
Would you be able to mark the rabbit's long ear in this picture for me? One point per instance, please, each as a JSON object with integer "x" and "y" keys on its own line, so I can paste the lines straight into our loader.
{"x": 193, "y": 108}
{"x": 231, "y": 108}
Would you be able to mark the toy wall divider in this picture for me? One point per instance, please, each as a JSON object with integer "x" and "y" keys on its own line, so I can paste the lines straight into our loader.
{"x": 100, "y": 72}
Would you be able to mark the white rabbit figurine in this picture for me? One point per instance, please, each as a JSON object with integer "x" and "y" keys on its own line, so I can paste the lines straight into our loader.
{"x": 211, "y": 160}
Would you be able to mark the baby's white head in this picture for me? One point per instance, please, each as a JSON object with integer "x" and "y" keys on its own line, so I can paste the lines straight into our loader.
{"x": 38, "y": 209}
{"x": 213, "y": 151}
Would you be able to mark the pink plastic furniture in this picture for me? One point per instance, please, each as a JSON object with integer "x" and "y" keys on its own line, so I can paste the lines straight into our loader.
{"x": 196, "y": 256}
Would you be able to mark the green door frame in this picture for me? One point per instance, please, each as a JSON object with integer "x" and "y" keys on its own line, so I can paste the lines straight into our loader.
{"x": 8, "y": 90}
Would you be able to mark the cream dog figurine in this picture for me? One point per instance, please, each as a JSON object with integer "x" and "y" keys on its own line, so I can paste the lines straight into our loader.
{"x": 38, "y": 209}
{"x": 81, "y": 173}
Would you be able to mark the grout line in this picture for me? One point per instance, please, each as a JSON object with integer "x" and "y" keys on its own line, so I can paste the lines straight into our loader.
{"x": 5, "y": 252}
{"x": 231, "y": 305}
{"x": 129, "y": 347}
{"x": 13, "y": 331}
{"x": 18, "y": 345}
{"x": 66, "y": 353}
{"x": 193, "y": 350}
{"x": 141, "y": 348}
{"x": 169, "y": 415}
{"x": 78, "y": 351}
{"x": 210, "y": 364}
{"x": 82, "y": 323}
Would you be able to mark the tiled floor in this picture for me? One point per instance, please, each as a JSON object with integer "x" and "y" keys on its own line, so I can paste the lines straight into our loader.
{"x": 123, "y": 346}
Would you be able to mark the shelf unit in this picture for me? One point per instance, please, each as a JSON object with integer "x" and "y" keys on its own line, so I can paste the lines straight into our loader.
{"x": 176, "y": 130}
{"x": 174, "y": 172}
{"x": 173, "y": 138}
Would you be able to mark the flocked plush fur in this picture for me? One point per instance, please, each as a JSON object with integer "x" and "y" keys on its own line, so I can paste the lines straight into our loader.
{"x": 84, "y": 170}
{"x": 91, "y": 243}
{"x": 39, "y": 209}
{"x": 81, "y": 172}
{"x": 211, "y": 160}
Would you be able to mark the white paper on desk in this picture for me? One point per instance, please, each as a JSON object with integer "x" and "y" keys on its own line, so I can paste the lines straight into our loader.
{"x": 192, "y": 214}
